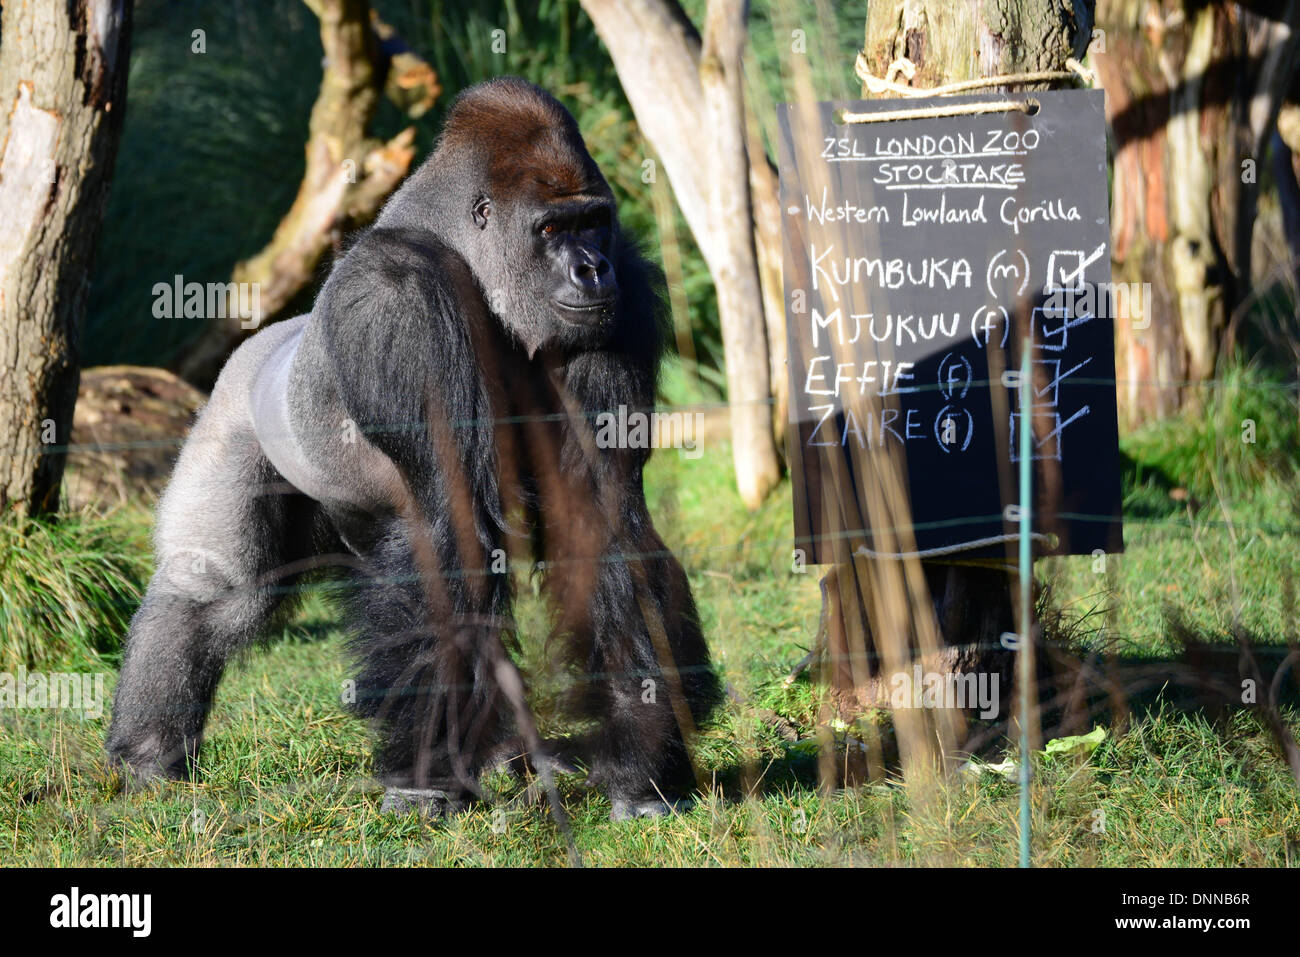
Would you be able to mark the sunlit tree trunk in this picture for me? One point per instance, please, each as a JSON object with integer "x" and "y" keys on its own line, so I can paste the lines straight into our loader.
{"x": 735, "y": 263}
{"x": 1193, "y": 91}
{"x": 681, "y": 90}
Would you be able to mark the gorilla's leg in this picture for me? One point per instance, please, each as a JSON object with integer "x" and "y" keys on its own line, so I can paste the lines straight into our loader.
{"x": 430, "y": 643}
{"x": 225, "y": 525}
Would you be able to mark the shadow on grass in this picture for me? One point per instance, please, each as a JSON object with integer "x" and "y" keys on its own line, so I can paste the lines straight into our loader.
{"x": 1077, "y": 690}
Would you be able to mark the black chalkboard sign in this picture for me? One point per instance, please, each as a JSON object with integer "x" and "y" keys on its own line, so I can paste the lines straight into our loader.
{"x": 919, "y": 254}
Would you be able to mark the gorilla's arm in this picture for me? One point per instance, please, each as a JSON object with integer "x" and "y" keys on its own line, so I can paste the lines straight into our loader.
{"x": 425, "y": 371}
{"x": 397, "y": 319}
{"x": 631, "y": 621}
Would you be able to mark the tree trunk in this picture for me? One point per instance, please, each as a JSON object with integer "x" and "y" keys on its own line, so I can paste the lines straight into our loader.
{"x": 658, "y": 55}
{"x": 764, "y": 187}
{"x": 348, "y": 177}
{"x": 1286, "y": 172}
{"x": 945, "y": 41}
{"x": 734, "y": 266}
{"x": 63, "y": 70}
{"x": 1192, "y": 92}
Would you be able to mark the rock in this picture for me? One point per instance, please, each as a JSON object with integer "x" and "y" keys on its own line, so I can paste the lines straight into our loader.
{"x": 126, "y": 432}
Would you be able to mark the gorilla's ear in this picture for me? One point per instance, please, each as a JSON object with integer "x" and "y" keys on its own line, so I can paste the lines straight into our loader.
{"x": 482, "y": 209}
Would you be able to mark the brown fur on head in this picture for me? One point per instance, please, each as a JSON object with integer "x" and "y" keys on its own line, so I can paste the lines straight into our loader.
{"x": 522, "y": 136}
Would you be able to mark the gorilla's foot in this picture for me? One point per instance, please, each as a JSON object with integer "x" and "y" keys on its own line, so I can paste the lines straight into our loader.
{"x": 558, "y": 755}
{"x": 140, "y": 766}
{"x": 652, "y": 807}
{"x": 423, "y": 801}
{"x": 136, "y": 777}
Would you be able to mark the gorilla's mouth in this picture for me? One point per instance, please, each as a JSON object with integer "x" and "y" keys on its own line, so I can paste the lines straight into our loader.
{"x": 588, "y": 310}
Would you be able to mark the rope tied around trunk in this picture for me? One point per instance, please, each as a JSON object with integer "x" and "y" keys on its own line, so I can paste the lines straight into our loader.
{"x": 877, "y": 86}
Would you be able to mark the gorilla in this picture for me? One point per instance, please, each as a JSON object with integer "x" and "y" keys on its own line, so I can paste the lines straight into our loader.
{"x": 432, "y": 415}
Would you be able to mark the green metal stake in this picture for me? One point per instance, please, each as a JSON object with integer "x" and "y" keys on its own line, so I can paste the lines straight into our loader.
{"x": 1026, "y": 593}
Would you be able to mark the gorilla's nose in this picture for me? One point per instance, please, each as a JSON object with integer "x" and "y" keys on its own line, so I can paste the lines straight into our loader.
{"x": 592, "y": 275}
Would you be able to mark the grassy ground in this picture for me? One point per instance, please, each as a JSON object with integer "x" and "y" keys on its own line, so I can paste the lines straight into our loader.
{"x": 286, "y": 776}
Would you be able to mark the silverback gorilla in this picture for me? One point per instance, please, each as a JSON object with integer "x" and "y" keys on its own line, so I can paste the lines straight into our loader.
{"x": 435, "y": 409}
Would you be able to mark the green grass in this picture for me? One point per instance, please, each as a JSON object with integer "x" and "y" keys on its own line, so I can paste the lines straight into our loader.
{"x": 286, "y": 773}
{"x": 68, "y": 589}
{"x": 1211, "y": 521}
{"x": 1243, "y": 442}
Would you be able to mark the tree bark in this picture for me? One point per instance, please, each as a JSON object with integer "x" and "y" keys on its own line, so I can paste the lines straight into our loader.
{"x": 764, "y": 188}
{"x": 735, "y": 266}
{"x": 1193, "y": 92}
{"x": 1286, "y": 171}
{"x": 63, "y": 71}
{"x": 658, "y": 55}
{"x": 349, "y": 173}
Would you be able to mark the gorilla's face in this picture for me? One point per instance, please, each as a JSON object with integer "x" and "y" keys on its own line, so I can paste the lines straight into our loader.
{"x": 552, "y": 259}
{"x": 575, "y": 239}
{"x": 513, "y": 189}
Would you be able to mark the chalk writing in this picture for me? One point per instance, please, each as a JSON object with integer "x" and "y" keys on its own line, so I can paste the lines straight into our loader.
{"x": 918, "y": 255}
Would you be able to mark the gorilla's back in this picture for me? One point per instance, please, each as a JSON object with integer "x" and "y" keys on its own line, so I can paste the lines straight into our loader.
{"x": 302, "y": 427}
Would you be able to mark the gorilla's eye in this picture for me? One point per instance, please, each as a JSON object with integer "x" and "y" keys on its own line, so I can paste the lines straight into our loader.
{"x": 550, "y": 230}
